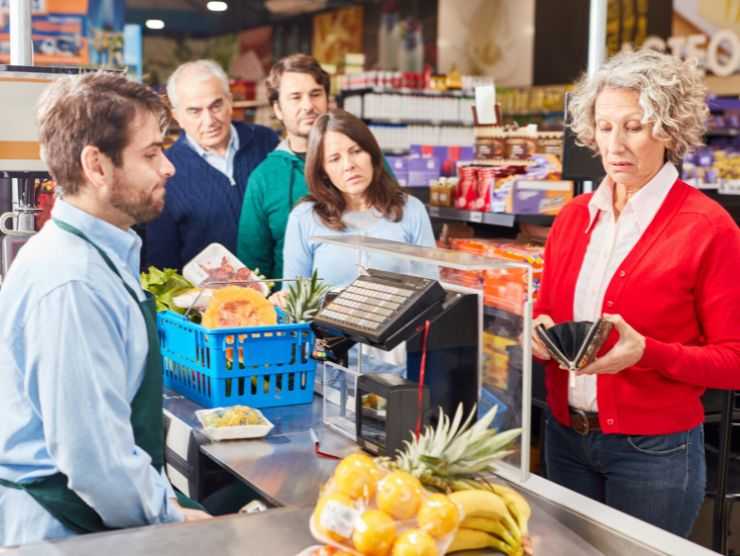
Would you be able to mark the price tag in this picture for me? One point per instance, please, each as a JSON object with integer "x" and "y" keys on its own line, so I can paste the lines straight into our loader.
{"x": 729, "y": 187}
{"x": 338, "y": 518}
{"x": 476, "y": 217}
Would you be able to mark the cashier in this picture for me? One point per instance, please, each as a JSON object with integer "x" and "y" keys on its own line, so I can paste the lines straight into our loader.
{"x": 659, "y": 260}
{"x": 351, "y": 192}
{"x": 81, "y": 436}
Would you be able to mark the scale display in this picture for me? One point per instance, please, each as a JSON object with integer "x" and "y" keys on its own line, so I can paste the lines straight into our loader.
{"x": 375, "y": 306}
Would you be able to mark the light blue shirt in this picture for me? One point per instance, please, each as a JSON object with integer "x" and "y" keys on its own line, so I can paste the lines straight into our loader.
{"x": 72, "y": 349}
{"x": 224, "y": 164}
{"x": 338, "y": 266}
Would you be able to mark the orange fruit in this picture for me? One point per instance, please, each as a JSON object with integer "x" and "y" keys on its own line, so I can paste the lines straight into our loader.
{"x": 414, "y": 542}
{"x": 374, "y": 533}
{"x": 334, "y": 516}
{"x": 330, "y": 551}
{"x": 438, "y": 515}
{"x": 399, "y": 494}
{"x": 356, "y": 476}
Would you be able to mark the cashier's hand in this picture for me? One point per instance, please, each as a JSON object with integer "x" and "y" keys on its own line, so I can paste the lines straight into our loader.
{"x": 538, "y": 348}
{"x": 626, "y": 352}
{"x": 190, "y": 514}
{"x": 279, "y": 299}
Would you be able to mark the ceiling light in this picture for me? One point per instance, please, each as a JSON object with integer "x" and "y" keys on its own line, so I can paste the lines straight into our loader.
{"x": 154, "y": 24}
{"x": 217, "y": 6}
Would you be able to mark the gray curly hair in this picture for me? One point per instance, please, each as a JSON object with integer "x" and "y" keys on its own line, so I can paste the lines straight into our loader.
{"x": 204, "y": 69}
{"x": 671, "y": 96}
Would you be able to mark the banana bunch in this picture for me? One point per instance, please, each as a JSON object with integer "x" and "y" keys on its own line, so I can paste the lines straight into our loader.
{"x": 496, "y": 517}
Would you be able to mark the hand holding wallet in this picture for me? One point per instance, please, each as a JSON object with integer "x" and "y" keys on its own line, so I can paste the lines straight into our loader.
{"x": 574, "y": 344}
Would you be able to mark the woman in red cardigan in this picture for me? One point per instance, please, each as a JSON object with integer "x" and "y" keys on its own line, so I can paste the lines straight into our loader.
{"x": 661, "y": 261}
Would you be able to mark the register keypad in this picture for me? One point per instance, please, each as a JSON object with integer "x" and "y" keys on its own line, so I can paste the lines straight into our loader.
{"x": 372, "y": 304}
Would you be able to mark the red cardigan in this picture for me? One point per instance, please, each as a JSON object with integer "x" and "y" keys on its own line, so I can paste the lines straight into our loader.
{"x": 680, "y": 288}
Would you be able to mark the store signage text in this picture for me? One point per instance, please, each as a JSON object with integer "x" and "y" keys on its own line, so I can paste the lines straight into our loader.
{"x": 705, "y": 49}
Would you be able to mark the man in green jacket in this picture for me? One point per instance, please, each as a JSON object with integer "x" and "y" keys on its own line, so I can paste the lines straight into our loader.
{"x": 298, "y": 90}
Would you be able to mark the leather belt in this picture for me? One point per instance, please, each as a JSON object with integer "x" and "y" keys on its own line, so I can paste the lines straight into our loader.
{"x": 584, "y": 422}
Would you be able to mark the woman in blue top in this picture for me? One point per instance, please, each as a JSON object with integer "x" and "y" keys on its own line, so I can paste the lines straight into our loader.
{"x": 350, "y": 193}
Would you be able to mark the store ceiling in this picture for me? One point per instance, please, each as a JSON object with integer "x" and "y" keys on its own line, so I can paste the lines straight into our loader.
{"x": 191, "y": 17}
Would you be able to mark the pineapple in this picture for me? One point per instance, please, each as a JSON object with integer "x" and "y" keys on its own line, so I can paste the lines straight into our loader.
{"x": 304, "y": 298}
{"x": 454, "y": 450}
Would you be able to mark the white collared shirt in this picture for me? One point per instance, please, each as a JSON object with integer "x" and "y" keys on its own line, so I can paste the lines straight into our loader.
{"x": 611, "y": 241}
{"x": 224, "y": 164}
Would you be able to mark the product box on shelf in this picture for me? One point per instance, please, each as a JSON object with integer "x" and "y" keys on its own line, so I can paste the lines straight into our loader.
{"x": 442, "y": 192}
{"x": 447, "y": 155}
{"x": 422, "y": 170}
{"x": 444, "y": 152}
{"x": 539, "y": 196}
{"x": 710, "y": 168}
{"x": 400, "y": 168}
{"x": 485, "y": 187}
{"x": 503, "y": 288}
{"x": 496, "y": 359}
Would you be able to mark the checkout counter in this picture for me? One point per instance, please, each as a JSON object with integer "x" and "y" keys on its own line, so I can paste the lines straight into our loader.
{"x": 287, "y": 468}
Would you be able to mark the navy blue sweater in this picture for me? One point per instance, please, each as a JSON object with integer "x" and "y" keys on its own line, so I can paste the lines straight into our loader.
{"x": 201, "y": 205}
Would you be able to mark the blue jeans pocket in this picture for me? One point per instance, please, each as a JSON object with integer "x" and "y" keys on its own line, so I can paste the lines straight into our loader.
{"x": 660, "y": 444}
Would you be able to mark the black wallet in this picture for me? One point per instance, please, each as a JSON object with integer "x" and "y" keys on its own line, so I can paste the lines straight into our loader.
{"x": 574, "y": 344}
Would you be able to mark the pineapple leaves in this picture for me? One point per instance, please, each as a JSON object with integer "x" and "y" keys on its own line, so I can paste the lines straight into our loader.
{"x": 456, "y": 449}
{"x": 304, "y": 298}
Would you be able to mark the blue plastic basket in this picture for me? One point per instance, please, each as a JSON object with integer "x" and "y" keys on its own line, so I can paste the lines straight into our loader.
{"x": 274, "y": 367}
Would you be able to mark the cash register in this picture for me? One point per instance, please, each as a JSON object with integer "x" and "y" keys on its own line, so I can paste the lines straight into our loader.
{"x": 383, "y": 309}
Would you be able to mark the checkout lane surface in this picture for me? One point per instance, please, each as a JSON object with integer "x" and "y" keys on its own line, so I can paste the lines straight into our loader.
{"x": 284, "y": 468}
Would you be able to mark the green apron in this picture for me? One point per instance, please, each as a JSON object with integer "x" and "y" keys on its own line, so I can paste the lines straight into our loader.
{"x": 147, "y": 421}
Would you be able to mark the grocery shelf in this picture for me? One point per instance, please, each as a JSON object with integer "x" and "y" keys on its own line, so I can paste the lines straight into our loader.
{"x": 250, "y": 103}
{"x": 536, "y": 219}
{"x": 419, "y": 121}
{"x": 495, "y": 312}
{"x": 24, "y": 174}
{"x": 535, "y": 113}
{"x": 476, "y": 217}
{"x": 490, "y": 218}
{"x": 403, "y": 91}
{"x": 722, "y": 132}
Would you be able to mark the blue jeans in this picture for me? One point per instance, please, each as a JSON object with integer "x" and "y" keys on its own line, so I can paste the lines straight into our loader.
{"x": 659, "y": 478}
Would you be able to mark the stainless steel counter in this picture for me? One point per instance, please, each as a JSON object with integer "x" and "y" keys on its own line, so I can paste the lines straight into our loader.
{"x": 278, "y": 532}
{"x": 285, "y": 469}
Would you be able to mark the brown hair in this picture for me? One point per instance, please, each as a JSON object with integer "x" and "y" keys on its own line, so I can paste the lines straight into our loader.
{"x": 295, "y": 63}
{"x": 383, "y": 194}
{"x": 91, "y": 109}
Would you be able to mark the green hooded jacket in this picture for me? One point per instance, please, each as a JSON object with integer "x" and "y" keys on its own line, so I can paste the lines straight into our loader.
{"x": 273, "y": 189}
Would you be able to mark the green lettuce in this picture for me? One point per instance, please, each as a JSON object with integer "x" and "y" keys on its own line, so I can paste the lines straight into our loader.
{"x": 164, "y": 285}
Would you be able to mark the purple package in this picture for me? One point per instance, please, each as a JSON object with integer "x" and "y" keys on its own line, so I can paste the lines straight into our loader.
{"x": 397, "y": 163}
{"x": 421, "y": 171}
{"x": 467, "y": 153}
{"x": 540, "y": 197}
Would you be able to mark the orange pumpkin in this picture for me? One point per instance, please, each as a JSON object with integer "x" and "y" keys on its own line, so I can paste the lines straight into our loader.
{"x": 234, "y": 306}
